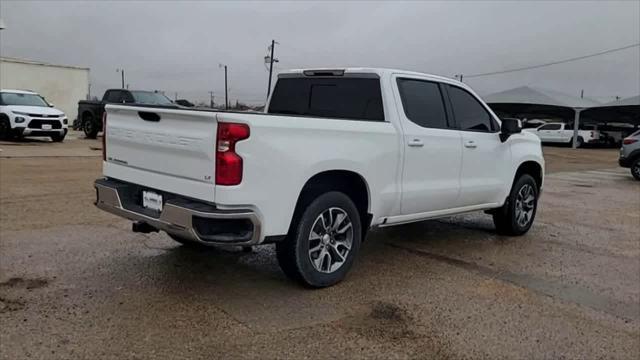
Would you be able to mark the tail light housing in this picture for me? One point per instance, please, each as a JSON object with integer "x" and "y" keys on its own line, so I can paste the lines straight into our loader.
{"x": 228, "y": 162}
{"x": 629, "y": 141}
{"x": 104, "y": 136}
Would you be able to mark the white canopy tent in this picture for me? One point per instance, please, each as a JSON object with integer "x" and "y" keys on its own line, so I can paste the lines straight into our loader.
{"x": 535, "y": 99}
{"x": 538, "y": 96}
{"x": 630, "y": 101}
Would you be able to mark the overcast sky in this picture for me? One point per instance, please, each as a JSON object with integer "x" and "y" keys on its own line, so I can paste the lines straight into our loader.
{"x": 177, "y": 46}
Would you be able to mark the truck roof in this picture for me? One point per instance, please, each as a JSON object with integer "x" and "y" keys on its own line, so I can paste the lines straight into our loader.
{"x": 379, "y": 71}
{"x": 18, "y": 91}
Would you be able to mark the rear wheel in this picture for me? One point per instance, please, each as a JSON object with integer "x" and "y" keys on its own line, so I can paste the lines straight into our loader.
{"x": 579, "y": 143}
{"x": 89, "y": 126}
{"x": 324, "y": 242}
{"x": 635, "y": 168}
{"x": 516, "y": 216}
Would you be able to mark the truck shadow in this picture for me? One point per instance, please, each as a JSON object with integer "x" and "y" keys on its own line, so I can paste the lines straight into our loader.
{"x": 222, "y": 267}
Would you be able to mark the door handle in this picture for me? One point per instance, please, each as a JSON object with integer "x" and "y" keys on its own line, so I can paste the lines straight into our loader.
{"x": 470, "y": 144}
{"x": 416, "y": 143}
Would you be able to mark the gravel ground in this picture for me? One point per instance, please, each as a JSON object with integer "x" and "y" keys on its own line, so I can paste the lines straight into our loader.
{"x": 75, "y": 283}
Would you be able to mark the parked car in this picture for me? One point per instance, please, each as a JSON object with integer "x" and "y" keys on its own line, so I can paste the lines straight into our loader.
{"x": 26, "y": 113}
{"x": 90, "y": 112}
{"x": 630, "y": 154}
{"x": 563, "y": 134}
{"x": 336, "y": 153}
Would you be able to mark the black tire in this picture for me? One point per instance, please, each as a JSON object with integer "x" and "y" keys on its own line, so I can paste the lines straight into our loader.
{"x": 5, "y": 128}
{"x": 578, "y": 144}
{"x": 89, "y": 126}
{"x": 58, "y": 137}
{"x": 635, "y": 168}
{"x": 294, "y": 255}
{"x": 506, "y": 218}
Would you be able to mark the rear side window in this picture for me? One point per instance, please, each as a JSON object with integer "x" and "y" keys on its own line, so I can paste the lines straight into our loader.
{"x": 114, "y": 96}
{"x": 469, "y": 113}
{"x": 423, "y": 103}
{"x": 341, "y": 98}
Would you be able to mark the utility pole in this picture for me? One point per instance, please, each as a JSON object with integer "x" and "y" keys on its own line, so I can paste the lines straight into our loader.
{"x": 582, "y": 94}
{"x": 271, "y": 61}
{"x": 226, "y": 91}
{"x": 175, "y": 96}
{"x": 121, "y": 71}
{"x": 459, "y": 76}
{"x": 211, "y": 99}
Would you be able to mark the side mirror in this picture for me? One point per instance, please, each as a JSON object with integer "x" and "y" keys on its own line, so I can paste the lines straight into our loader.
{"x": 508, "y": 128}
{"x": 51, "y": 105}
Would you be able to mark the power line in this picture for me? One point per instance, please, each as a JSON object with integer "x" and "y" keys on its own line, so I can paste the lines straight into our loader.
{"x": 553, "y": 63}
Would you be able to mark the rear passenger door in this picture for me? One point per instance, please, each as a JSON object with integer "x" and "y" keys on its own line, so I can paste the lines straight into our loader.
{"x": 485, "y": 159}
{"x": 432, "y": 154}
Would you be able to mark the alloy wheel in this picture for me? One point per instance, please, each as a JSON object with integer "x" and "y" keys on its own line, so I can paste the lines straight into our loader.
{"x": 525, "y": 204}
{"x": 330, "y": 240}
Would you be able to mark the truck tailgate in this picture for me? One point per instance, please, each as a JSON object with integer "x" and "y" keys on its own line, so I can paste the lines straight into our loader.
{"x": 167, "y": 149}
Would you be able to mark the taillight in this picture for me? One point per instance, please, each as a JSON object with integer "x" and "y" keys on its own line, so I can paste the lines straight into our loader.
{"x": 104, "y": 136}
{"x": 228, "y": 163}
{"x": 629, "y": 141}
{"x": 593, "y": 134}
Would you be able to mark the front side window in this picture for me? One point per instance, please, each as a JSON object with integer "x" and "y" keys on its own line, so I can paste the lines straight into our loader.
{"x": 8, "y": 98}
{"x": 423, "y": 103}
{"x": 328, "y": 97}
{"x": 469, "y": 112}
{"x": 550, "y": 127}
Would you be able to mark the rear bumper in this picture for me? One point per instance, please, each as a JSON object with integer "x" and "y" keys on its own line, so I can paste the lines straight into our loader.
{"x": 190, "y": 219}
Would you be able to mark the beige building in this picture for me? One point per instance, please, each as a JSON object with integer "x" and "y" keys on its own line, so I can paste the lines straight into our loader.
{"x": 63, "y": 86}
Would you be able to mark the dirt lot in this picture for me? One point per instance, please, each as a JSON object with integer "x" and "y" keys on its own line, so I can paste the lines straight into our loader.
{"x": 75, "y": 283}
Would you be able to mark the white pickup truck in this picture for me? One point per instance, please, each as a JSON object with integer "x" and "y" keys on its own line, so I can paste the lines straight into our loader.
{"x": 563, "y": 133}
{"x": 335, "y": 153}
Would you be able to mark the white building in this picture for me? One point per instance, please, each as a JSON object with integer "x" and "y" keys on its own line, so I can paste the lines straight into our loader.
{"x": 63, "y": 86}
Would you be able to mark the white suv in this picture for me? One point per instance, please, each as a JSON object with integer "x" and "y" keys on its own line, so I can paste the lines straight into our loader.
{"x": 26, "y": 113}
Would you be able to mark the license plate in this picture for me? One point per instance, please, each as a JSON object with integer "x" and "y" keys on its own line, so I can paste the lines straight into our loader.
{"x": 151, "y": 200}
{"x": 46, "y": 127}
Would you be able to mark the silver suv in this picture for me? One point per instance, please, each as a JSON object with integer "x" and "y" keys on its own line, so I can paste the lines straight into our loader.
{"x": 630, "y": 154}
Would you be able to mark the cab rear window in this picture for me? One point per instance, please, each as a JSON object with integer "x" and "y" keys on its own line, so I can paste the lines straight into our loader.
{"x": 330, "y": 97}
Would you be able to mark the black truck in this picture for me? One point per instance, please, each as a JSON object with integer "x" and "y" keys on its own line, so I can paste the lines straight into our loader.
{"x": 90, "y": 112}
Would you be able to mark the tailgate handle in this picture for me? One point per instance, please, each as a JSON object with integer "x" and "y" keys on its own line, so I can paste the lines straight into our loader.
{"x": 149, "y": 116}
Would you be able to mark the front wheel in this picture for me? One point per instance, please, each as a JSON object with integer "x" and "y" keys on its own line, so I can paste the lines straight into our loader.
{"x": 324, "y": 242}
{"x": 516, "y": 216}
{"x": 5, "y": 128}
{"x": 635, "y": 168}
{"x": 58, "y": 137}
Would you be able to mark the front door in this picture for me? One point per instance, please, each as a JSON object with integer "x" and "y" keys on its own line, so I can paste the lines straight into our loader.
{"x": 485, "y": 159}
